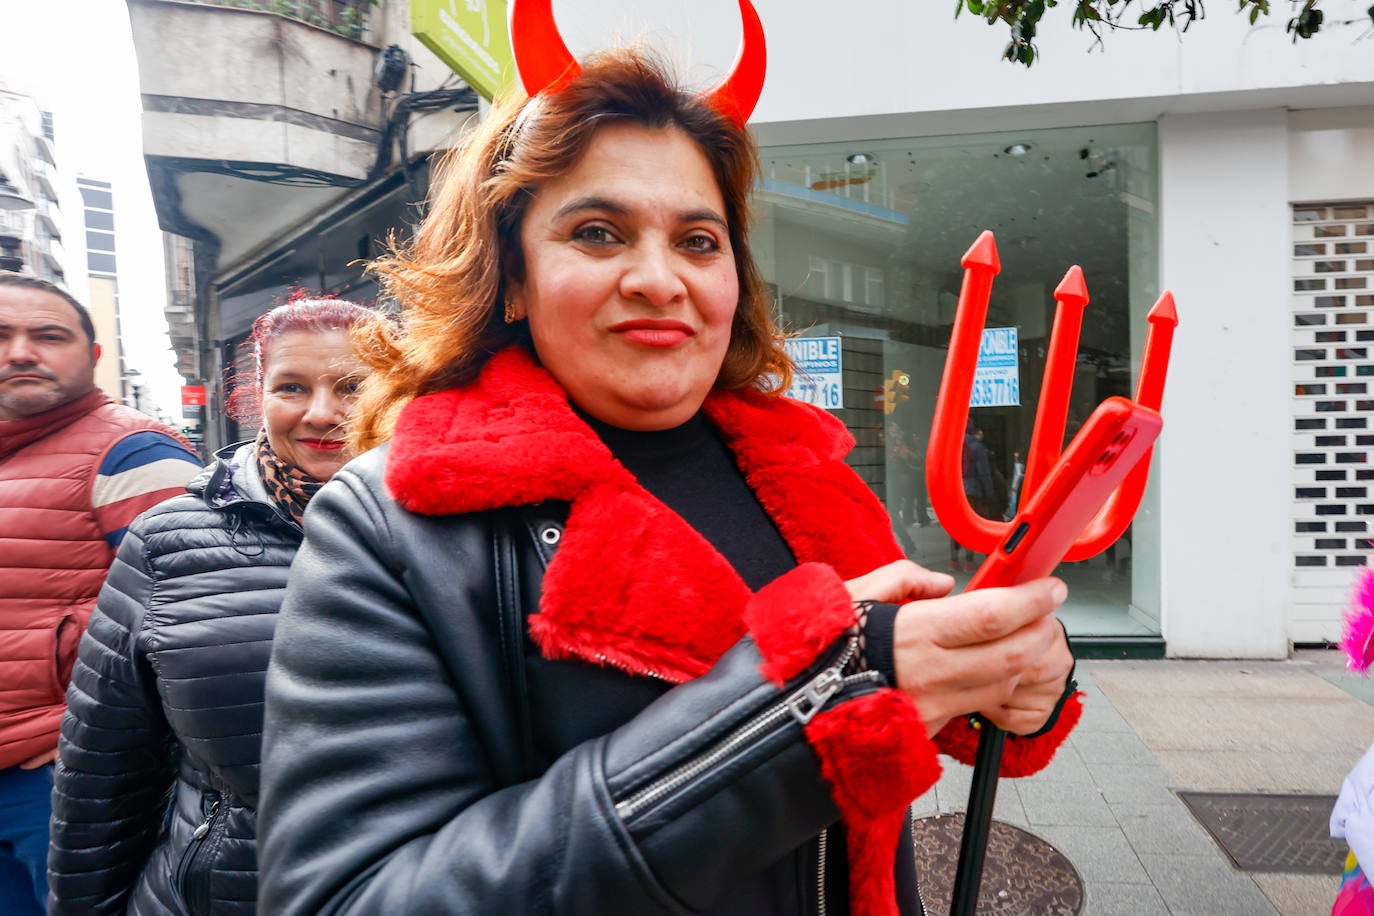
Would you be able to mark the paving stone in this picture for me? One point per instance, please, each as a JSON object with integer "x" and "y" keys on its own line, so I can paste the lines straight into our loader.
{"x": 1133, "y": 784}
{"x": 1299, "y": 895}
{"x": 951, "y": 791}
{"x": 1357, "y": 685}
{"x": 1150, "y": 727}
{"x": 1246, "y": 770}
{"x": 926, "y": 806}
{"x": 1101, "y": 854}
{"x": 1116, "y": 749}
{"x": 1110, "y": 899}
{"x": 1164, "y": 830}
{"x": 1100, "y": 716}
{"x": 951, "y": 795}
{"x": 1057, "y": 803}
{"x": 1204, "y": 886}
{"x": 1067, "y": 766}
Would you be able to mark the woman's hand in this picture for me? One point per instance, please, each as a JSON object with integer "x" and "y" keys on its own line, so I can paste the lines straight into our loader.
{"x": 995, "y": 651}
{"x": 898, "y": 583}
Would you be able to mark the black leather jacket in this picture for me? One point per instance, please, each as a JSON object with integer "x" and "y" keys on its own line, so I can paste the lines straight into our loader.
{"x": 421, "y": 756}
{"x": 166, "y": 696}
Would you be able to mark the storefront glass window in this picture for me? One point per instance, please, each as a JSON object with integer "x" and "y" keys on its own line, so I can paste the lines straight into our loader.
{"x": 863, "y": 241}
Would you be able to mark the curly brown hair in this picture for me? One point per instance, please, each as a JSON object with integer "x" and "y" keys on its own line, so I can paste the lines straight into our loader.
{"x": 451, "y": 279}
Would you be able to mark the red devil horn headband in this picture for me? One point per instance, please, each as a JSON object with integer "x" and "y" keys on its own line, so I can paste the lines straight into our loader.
{"x": 546, "y": 65}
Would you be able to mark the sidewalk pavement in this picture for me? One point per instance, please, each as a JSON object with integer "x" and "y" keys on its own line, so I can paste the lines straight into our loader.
{"x": 1151, "y": 728}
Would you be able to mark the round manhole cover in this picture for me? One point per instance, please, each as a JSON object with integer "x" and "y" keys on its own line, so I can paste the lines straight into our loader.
{"x": 1022, "y": 874}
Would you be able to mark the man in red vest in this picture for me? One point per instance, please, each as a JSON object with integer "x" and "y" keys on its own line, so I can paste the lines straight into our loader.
{"x": 75, "y": 469}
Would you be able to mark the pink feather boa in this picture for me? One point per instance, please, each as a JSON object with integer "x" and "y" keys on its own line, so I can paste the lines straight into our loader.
{"x": 1358, "y": 641}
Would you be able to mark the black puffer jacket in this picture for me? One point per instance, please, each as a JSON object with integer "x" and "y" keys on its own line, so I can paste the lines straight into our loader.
{"x": 167, "y": 695}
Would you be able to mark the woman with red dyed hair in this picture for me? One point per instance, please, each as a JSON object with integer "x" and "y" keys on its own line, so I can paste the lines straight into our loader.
{"x": 605, "y": 624}
{"x": 166, "y": 696}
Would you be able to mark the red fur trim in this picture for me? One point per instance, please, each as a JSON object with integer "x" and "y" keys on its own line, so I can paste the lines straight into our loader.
{"x": 1020, "y": 756}
{"x": 796, "y": 616}
{"x": 631, "y": 584}
{"x": 877, "y": 758}
{"x": 507, "y": 439}
{"x": 671, "y": 613}
{"x": 872, "y": 851}
{"x": 785, "y": 447}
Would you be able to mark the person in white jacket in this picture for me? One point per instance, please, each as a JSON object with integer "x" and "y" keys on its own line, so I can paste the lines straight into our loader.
{"x": 1352, "y": 820}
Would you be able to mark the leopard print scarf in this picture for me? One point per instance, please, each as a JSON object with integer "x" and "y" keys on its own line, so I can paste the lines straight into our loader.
{"x": 287, "y": 485}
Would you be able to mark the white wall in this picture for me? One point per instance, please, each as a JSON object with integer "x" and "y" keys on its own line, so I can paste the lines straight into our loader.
{"x": 1225, "y": 456}
{"x": 1331, "y": 154}
{"x": 908, "y": 68}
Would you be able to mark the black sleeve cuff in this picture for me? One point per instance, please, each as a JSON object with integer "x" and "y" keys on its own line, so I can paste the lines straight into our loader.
{"x": 880, "y": 627}
{"x": 879, "y": 638}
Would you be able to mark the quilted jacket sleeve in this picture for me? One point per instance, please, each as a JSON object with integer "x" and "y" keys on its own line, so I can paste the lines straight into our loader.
{"x": 114, "y": 764}
{"x": 379, "y": 793}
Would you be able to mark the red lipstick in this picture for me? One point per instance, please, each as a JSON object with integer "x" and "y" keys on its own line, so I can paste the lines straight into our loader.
{"x": 654, "y": 332}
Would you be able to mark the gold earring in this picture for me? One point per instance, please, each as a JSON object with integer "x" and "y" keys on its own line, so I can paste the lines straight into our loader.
{"x": 510, "y": 311}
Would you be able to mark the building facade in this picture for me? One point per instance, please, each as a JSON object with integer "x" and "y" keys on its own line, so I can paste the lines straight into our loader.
{"x": 283, "y": 146}
{"x": 30, "y": 239}
{"x": 1231, "y": 166}
{"x": 97, "y": 209}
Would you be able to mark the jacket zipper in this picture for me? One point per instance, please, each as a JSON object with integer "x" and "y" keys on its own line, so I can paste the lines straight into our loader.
{"x": 189, "y": 854}
{"x": 823, "y": 839}
{"x": 822, "y": 906}
{"x": 801, "y": 707}
{"x": 640, "y": 672}
{"x": 920, "y": 894}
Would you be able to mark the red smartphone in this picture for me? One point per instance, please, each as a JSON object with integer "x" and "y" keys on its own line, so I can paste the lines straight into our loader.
{"x": 1113, "y": 440}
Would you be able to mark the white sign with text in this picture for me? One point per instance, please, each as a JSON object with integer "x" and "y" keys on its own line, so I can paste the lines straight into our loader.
{"x": 819, "y": 369}
{"x": 997, "y": 379}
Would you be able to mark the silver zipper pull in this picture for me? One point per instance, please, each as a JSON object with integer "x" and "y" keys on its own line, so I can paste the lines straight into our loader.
{"x": 204, "y": 828}
{"x": 805, "y": 703}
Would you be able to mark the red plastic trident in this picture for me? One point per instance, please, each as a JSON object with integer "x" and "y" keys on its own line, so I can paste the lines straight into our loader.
{"x": 944, "y": 456}
{"x": 944, "y": 475}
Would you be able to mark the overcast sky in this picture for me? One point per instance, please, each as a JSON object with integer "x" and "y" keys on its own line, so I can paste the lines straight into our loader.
{"x": 76, "y": 58}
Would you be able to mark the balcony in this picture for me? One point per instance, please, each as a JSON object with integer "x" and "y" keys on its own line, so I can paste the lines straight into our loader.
{"x": 43, "y": 149}
{"x": 52, "y": 253}
{"x": 45, "y": 178}
{"x": 45, "y": 214}
{"x": 51, "y": 261}
{"x": 13, "y": 223}
{"x": 253, "y": 118}
{"x": 342, "y": 17}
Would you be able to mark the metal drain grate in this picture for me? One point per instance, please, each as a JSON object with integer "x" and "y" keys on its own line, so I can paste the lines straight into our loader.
{"x": 1023, "y": 874}
{"x": 1270, "y": 833}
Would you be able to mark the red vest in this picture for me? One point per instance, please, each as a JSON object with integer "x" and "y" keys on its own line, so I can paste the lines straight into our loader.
{"x": 53, "y": 558}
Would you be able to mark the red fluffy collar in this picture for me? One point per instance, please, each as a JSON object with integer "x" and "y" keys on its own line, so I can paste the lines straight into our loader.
{"x": 632, "y": 584}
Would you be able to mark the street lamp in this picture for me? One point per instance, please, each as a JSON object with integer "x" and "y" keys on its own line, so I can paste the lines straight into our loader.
{"x": 10, "y": 198}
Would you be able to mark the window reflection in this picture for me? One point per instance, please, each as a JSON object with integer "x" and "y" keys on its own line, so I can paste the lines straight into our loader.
{"x": 866, "y": 244}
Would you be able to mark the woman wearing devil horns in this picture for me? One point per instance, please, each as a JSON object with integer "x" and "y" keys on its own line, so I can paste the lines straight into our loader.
{"x": 602, "y": 623}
